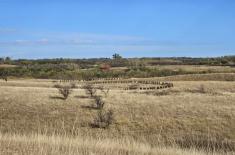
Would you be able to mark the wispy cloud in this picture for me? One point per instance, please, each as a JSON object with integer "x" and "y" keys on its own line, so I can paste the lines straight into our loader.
{"x": 49, "y": 44}
{"x": 74, "y": 39}
{"x": 7, "y": 30}
{"x": 91, "y": 39}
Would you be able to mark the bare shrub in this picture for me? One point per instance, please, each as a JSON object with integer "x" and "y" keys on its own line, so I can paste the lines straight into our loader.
{"x": 65, "y": 91}
{"x": 99, "y": 102}
{"x": 90, "y": 90}
{"x": 103, "y": 119}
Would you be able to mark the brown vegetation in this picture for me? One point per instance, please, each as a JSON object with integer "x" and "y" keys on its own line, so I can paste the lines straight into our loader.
{"x": 90, "y": 90}
{"x": 99, "y": 102}
{"x": 103, "y": 119}
{"x": 64, "y": 90}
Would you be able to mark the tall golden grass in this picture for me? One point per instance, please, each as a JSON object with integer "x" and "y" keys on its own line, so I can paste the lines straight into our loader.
{"x": 61, "y": 145}
{"x": 182, "y": 120}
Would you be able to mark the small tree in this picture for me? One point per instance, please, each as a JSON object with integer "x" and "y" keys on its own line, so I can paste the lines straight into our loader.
{"x": 103, "y": 119}
{"x": 117, "y": 56}
{"x": 90, "y": 90}
{"x": 65, "y": 91}
{"x": 7, "y": 60}
{"x": 99, "y": 102}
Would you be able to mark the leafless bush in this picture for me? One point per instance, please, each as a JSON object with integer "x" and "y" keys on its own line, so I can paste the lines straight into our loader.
{"x": 64, "y": 90}
{"x": 99, "y": 102}
{"x": 90, "y": 90}
{"x": 103, "y": 119}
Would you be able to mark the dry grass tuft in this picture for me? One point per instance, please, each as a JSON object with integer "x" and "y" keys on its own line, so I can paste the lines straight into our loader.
{"x": 64, "y": 90}
{"x": 103, "y": 119}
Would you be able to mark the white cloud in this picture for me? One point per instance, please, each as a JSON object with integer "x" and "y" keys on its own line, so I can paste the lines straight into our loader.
{"x": 7, "y": 30}
{"x": 74, "y": 39}
{"x": 23, "y": 42}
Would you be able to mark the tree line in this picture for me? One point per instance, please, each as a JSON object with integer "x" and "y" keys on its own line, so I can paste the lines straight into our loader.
{"x": 62, "y": 68}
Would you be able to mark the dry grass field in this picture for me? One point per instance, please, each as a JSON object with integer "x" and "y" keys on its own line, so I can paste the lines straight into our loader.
{"x": 196, "y": 116}
{"x": 200, "y": 77}
{"x": 57, "y": 145}
{"x": 189, "y": 68}
{"x": 198, "y": 68}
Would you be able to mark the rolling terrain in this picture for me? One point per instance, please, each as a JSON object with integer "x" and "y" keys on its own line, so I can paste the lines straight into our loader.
{"x": 196, "y": 116}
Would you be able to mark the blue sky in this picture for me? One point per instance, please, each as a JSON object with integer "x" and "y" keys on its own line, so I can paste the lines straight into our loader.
{"x": 133, "y": 28}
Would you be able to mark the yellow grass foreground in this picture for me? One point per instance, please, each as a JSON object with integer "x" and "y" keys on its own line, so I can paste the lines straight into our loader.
{"x": 193, "y": 115}
{"x": 57, "y": 145}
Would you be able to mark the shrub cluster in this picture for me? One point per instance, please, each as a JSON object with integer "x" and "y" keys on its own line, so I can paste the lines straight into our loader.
{"x": 99, "y": 102}
{"x": 90, "y": 90}
{"x": 103, "y": 119}
{"x": 64, "y": 90}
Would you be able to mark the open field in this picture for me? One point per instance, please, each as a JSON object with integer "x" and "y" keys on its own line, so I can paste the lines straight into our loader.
{"x": 134, "y": 77}
{"x": 194, "y": 77}
{"x": 171, "y": 121}
{"x": 200, "y": 77}
{"x": 197, "y": 68}
{"x": 190, "y": 68}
